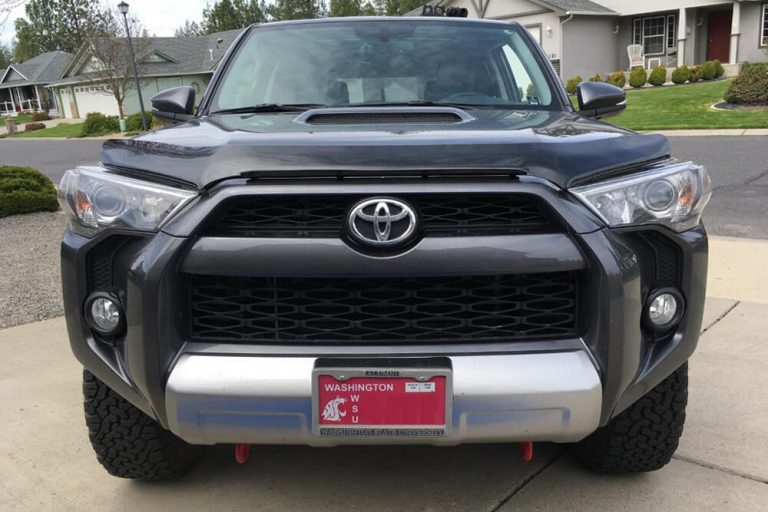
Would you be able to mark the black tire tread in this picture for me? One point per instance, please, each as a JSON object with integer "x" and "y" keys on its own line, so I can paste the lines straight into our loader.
{"x": 127, "y": 442}
{"x": 645, "y": 435}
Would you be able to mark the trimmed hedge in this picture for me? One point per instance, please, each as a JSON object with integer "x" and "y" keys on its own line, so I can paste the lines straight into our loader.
{"x": 638, "y": 77}
{"x": 619, "y": 79}
{"x": 572, "y": 83}
{"x": 719, "y": 69}
{"x": 40, "y": 116}
{"x": 694, "y": 74}
{"x": 750, "y": 87}
{"x": 97, "y": 124}
{"x": 681, "y": 74}
{"x": 596, "y": 78}
{"x": 25, "y": 190}
{"x": 706, "y": 71}
{"x": 133, "y": 121}
{"x": 658, "y": 76}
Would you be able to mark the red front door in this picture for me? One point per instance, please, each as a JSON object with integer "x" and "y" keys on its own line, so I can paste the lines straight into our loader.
{"x": 719, "y": 31}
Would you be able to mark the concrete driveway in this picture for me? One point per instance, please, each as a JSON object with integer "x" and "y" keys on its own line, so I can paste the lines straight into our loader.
{"x": 46, "y": 462}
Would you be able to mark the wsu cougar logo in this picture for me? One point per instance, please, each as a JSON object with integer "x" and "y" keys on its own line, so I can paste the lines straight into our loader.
{"x": 331, "y": 411}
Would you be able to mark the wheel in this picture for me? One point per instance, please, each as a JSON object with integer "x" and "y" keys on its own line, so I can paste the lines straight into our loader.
{"x": 644, "y": 436}
{"x": 127, "y": 442}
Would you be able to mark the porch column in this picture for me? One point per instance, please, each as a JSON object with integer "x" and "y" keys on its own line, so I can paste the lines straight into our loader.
{"x": 37, "y": 97}
{"x": 733, "y": 57}
{"x": 682, "y": 35}
{"x": 13, "y": 105}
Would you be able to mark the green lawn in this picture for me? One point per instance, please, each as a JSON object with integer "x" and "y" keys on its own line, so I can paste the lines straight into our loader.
{"x": 60, "y": 130}
{"x": 22, "y": 118}
{"x": 685, "y": 107}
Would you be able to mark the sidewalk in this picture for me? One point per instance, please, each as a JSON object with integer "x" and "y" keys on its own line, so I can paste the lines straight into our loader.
{"x": 46, "y": 462}
{"x": 712, "y": 133}
{"x": 48, "y": 124}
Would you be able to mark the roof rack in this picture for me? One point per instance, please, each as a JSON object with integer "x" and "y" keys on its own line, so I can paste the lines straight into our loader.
{"x": 439, "y": 10}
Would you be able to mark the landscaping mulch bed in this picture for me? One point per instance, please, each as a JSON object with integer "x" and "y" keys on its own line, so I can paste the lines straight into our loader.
{"x": 733, "y": 106}
{"x": 30, "y": 284}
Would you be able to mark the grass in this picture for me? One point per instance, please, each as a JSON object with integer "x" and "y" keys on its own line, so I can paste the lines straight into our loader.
{"x": 60, "y": 130}
{"x": 20, "y": 119}
{"x": 685, "y": 107}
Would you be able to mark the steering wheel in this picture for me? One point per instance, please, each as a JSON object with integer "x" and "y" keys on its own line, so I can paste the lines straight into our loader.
{"x": 459, "y": 96}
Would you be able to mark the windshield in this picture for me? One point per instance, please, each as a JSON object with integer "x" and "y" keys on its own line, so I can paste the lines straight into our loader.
{"x": 383, "y": 62}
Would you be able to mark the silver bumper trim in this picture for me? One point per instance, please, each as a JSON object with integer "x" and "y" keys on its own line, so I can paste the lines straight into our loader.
{"x": 496, "y": 398}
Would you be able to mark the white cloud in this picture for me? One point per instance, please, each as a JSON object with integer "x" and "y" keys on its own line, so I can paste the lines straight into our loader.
{"x": 160, "y": 17}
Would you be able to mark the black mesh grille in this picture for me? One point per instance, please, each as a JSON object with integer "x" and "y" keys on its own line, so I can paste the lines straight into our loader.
{"x": 323, "y": 216}
{"x": 666, "y": 260}
{"x": 101, "y": 261}
{"x": 384, "y": 310}
{"x": 384, "y": 118}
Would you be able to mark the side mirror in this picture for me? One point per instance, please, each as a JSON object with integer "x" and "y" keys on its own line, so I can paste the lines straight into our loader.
{"x": 176, "y": 104}
{"x": 598, "y": 100}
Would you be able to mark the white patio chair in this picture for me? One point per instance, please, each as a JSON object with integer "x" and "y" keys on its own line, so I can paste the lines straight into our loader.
{"x": 636, "y": 56}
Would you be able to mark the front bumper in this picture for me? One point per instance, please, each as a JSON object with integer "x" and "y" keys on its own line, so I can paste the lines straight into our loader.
{"x": 268, "y": 400}
{"x": 550, "y": 390}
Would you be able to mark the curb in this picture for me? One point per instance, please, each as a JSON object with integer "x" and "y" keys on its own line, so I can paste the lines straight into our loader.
{"x": 738, "y": 132}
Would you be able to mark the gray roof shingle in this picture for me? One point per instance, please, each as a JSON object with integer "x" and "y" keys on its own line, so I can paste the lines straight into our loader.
{"x": 576, "y": 6}
{"x": 43, "y": 69}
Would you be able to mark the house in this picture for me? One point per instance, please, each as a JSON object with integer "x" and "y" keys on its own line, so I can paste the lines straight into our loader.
{"x": 584, "y": 37}
{"x": 22, "y": 86}
{"x": 165, "y": 62}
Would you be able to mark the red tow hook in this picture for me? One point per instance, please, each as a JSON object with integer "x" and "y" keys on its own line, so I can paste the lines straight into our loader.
{"x": 526, "y": 450}
{"x": 242, "y": 451}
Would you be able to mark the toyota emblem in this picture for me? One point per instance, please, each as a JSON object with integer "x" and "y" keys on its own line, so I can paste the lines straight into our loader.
{"x": 381, "y": 222}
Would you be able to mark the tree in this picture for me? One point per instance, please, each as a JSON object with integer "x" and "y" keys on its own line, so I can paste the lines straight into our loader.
{"x": 341, "y": 8}
{"x": 111, "y": 64}
{"x": 233, "y": 14}
{"x": 397, "y": 7}
{"x": 296, "y": 9}
{"x": 53, "y": 25}
{"x": 189, "y": 29}
{"x": 6, "y": 56}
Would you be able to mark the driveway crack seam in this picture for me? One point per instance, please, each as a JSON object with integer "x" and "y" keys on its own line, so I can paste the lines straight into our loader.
{"x": 746, "y": 476}
{"x": 717, "y": 320}
{"x": 519, "y": 487}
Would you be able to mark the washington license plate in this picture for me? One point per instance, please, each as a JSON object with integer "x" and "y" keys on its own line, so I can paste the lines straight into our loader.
{"x": 381, "y": 402}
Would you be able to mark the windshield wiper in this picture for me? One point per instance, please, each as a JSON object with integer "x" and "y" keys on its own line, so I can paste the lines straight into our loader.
{"x": 269, "y": 107}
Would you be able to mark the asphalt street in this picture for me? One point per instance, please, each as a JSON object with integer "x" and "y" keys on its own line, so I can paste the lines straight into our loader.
{"x": 738, "y": 165}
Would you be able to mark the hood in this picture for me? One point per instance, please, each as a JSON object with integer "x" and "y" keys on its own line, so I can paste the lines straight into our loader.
{"x": 561, "y": 147}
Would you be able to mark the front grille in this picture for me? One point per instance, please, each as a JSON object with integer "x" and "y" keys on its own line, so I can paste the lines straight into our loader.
{"x": 324, "y": 216}
{"x": 384, "y": 310}
{"x": 101, "y": 261}
{"x": 663, "y": 260}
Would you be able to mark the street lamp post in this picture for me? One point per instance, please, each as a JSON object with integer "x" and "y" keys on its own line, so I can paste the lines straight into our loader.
{"x": 123, "y": 8}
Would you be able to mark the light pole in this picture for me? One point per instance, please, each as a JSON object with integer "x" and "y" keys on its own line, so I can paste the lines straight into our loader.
{"x": 123, "y": 8}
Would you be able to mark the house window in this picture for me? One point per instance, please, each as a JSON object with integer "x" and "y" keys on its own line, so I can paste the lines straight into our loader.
{"x": 655, "y": 33}
{"x": 764, "y": 38}
{"x": 671, "y": 35}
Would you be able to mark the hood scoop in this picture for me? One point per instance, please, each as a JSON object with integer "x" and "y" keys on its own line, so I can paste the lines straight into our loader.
{"x": 384, "y": 115}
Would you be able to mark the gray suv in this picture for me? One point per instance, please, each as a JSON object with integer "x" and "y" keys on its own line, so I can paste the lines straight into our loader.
{"x": 384, "y": 230}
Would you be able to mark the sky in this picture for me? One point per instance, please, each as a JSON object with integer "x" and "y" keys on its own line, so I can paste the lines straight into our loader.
{"x": 160, "y": 17}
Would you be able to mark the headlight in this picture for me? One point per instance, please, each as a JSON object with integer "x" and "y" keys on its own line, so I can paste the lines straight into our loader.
{"x": 96, "y": 199}
{"x": 673, "y": 195}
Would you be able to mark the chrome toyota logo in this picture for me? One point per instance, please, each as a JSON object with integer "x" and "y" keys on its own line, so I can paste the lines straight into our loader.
{"x": 381, "y": 222}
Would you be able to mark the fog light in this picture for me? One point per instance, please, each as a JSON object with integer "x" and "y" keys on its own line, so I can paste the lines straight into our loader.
{"x": 664, "y": 309}
{"x": 104, "y": 314}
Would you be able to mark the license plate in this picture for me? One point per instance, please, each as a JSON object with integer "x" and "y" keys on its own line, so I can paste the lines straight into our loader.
{"x": 381, "y": 402}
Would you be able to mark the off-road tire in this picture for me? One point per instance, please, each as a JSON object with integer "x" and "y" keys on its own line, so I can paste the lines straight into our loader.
{"x": 644, "y": 436}
{"x": 127, "y": 442}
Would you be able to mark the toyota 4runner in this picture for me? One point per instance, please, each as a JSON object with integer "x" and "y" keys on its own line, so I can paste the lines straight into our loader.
{"x": 384, "y": 230}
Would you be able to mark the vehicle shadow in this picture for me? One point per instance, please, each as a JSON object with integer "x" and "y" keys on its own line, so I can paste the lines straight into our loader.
{"x": 472, "y": 478}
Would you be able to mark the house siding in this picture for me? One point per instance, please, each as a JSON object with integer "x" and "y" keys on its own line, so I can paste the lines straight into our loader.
{"x": 590, "y": 46}
{"x": 751, "y": 28}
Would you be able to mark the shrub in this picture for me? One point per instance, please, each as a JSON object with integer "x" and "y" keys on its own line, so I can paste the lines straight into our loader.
{"x": 30, "y": 127}
{"x": 750, "y": 87}
{"x": 25, "y": 190}
{"x": 158, "y": 123}
{"x": 596, "y": 78}
{"x": 619, "y": 79}
{"x": 719, "y": 69}
{"x": 658, "y": 76}
{"x": 694, "y": 74}
{"x": 98, "y": 124}
{"x": 40, "y": 116}
{"x": 572, "y": 83}
{"x": 681, "y": 74}
{"x": 706, "y": 71}
{"x": 133, "y": 121}
{"x": 638, "y": 77}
